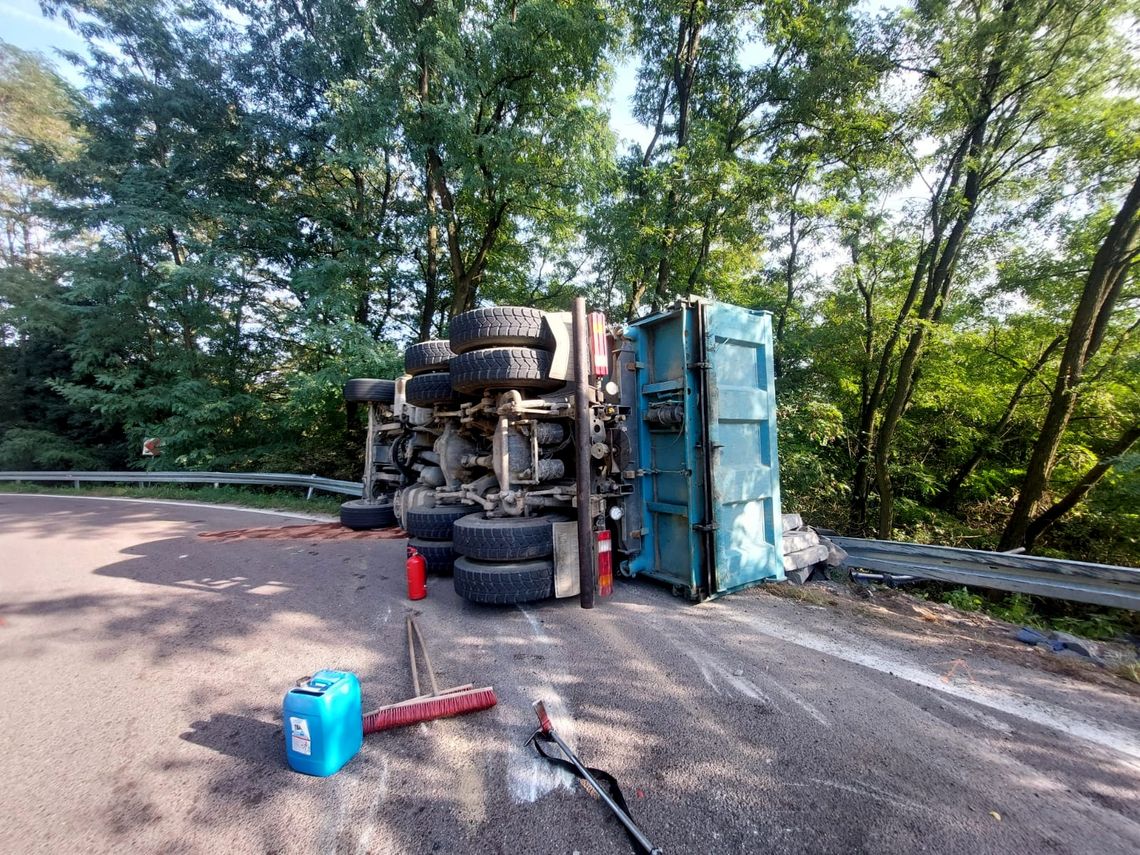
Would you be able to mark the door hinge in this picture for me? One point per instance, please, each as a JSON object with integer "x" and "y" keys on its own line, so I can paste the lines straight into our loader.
{"x": 705, "y": 526}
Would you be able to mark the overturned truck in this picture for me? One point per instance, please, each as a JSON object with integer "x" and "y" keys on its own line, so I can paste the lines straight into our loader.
{"x": 535, "y": 454}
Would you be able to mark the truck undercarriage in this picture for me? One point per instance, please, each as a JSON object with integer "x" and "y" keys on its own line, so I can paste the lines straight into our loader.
{"x": 520, "y": 451}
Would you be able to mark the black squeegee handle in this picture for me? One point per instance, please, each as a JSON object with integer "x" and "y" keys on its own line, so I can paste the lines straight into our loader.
{"x": 621, "y": 811}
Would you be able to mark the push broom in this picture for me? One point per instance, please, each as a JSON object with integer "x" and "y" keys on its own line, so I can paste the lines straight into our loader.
{"x": 457, "y": 700}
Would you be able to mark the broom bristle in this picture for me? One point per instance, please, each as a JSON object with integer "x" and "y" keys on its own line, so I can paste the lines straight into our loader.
{"x": 443, "y": 706}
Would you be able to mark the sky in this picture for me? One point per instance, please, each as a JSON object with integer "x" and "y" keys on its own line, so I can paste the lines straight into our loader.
{"x": 23, "y": 25}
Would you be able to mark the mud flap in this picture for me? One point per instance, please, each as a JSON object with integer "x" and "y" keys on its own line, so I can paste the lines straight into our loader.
{"x": 567, "y": 582}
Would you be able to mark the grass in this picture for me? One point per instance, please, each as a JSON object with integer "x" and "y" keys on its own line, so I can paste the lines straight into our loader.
{"x": 261, "y": 499}
{"x": 1087, "y": 621}
{"x": 1129, "y": 671}
{"x": 963, "y": 600}
{"x": 800, "y": 593}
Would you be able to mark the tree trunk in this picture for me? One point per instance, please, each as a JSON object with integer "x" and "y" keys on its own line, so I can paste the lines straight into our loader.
{"x": 1086, "y": 331}
{"x": 861, "y": 483}
{"x": 791, "y": 268}
{"x": 430, "y": 265}
{"x": 359, "y": 212}
{"x": 1081, "y": 489}
{"x": 942, "y": 258}
{"x": 684, "y": 67}
{"x": 935, "y": 294}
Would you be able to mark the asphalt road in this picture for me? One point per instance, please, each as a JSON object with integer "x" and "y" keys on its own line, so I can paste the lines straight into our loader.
{"x": 143, "y": 669}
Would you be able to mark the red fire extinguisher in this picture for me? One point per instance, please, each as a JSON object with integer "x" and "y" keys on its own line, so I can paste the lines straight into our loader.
{"x": 417, "y": 575}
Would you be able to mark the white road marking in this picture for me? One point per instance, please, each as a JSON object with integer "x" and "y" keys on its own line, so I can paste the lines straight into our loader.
{"x": 539, "y": 632}
{"x": 339, "y": 793}
{"x": 381, "y": 789}
{"x": 1041, "y": 713}
{"x": 206, "y": 505}
{"x": 865, "y": 790}
{"x": 978, "y": 716}
{"x": 703, "y": 667}
{"x": 743, "y": 686}
{"x": 781, "y": 689}
{"x": 819, "y": 717}
{"x": 529, "y": 776}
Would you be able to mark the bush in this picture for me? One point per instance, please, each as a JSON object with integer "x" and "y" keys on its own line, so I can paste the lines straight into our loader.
{"x": 963, "y": 599}
{"x": 28, "y": 448}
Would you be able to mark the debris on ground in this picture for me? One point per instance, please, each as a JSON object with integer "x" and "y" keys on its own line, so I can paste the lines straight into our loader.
{"x": 1059, "y": 642}
{"x": 316, "y": 531}
{"x": 899, "y": 610}
{"x": 806, "y": 551}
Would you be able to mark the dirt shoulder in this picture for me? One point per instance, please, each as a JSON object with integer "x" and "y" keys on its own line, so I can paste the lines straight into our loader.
{"x": 882, "y": 610}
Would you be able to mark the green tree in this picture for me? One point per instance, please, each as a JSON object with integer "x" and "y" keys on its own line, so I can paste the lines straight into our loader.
{"x": 1001, "y": 82}
{"x": 503, "y": 121}
{"x": 38, "y": 428}
{"x": 1113, "y": 265}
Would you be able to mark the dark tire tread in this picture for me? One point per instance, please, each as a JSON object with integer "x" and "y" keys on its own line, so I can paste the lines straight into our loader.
{"x": 503, "y": 584}
{"x": 361, "y": 515}
{"x": 438, "y": 555}
{"x": 427, "y": 390}
{"x": 505, "y": 539}
{"x": 368, "y": 390}
{"x": 427, "y": 356}
{"x": 500, "y": 326}
{"x": 434, "y": 523}
{"x": 502, "y": 368}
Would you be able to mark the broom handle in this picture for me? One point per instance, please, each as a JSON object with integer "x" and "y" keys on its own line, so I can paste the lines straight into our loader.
{"x": 427, "y": 657}
{"x": 412, "y": 656}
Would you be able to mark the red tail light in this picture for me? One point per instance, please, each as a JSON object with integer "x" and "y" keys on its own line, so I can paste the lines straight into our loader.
{"x": 599, "y": 349}
{"x": 605, "y": 565}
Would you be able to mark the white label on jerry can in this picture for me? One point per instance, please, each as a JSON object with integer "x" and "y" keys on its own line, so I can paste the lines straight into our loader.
{"x": 299, "y": 732}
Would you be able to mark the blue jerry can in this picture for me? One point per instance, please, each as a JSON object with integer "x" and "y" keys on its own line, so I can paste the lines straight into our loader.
{"x": 323, "y": 724}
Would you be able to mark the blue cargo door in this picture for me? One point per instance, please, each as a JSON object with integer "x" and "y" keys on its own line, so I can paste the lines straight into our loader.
{"x": 668, "y": 458}
{"x": 707, "y": 490}
{"x": 739, "y": 415}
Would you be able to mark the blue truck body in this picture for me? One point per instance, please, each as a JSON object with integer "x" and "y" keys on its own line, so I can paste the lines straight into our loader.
{"x": 706, "y": 497}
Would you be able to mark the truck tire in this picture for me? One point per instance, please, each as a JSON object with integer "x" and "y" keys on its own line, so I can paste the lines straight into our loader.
{"x": 505, "y": 539}
{"x": 503, "y": 584}
{"x": 361, "y": 515}
{"x": 427, "y": 390}
{"x": 500, "y": 326}
{"x": 502, "y": 367}
{"x": 415, "y": 496}
{"x": 438, "y": 555}
{"x": 427, "y": 356}
{"x": 367, "y": 390}
{"x": 433, "y": 523}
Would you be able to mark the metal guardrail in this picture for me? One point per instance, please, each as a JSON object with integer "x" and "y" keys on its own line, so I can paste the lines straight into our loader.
{"x": 1100, "y": 584}
{"x": 260, "y": 479}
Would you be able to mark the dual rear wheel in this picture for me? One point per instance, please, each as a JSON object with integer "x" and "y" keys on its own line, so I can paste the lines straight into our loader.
{"x": 504, "y": 560}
